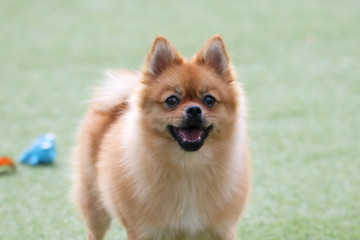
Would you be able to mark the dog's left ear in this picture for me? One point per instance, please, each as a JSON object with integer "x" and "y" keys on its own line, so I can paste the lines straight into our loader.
{"x": 213, "y": 54}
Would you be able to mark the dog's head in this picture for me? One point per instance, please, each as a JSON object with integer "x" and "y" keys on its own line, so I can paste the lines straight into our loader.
{"x": 190, "y": 102}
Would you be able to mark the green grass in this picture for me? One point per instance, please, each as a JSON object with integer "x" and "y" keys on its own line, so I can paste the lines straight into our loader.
{"x": 299, "y": 61}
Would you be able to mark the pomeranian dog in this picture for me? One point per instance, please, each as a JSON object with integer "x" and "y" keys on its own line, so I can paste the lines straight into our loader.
{"x": 165, "y": 152}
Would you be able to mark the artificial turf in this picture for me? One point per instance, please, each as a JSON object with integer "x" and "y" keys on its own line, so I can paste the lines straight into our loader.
{"x": 299, "y": 62}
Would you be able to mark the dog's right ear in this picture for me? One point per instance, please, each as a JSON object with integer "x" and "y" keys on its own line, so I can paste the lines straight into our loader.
{"x": 161, "y": 56}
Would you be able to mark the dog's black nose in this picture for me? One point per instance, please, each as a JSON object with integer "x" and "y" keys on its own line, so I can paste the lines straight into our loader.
{"x": 193, "y": 111}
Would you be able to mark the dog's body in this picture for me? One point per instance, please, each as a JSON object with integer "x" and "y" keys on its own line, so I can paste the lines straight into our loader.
{"x": 165, "y": 151}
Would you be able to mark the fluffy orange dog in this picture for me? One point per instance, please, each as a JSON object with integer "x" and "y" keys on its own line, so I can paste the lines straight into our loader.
{"x": 165, "y": 152}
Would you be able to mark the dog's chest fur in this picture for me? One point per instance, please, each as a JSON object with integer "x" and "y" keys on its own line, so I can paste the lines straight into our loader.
{"x": 185, "y": 201}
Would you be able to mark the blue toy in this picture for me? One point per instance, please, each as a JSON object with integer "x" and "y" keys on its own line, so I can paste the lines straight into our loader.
{"x": 41, "y": 151}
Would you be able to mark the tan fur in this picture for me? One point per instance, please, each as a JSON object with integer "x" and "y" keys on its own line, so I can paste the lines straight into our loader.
{"x": 127, "y": 166}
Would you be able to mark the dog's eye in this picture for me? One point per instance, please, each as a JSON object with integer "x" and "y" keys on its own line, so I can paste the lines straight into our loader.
{"x": 209, "y": 101}
{"x": 172, "y": 101}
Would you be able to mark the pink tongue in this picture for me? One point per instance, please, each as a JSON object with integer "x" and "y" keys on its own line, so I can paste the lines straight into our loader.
{"x": 190, "y": 134}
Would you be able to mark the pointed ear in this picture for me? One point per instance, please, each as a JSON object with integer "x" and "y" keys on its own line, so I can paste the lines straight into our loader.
{"x": 161, "y": 56}
{"x": 214, "y": 55}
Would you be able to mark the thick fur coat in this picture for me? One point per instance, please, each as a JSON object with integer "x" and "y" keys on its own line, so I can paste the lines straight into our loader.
{"x": 142, "y": 159}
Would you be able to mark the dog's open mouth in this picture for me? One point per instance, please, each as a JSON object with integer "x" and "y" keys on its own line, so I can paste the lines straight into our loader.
{"x": 190, "y": 138}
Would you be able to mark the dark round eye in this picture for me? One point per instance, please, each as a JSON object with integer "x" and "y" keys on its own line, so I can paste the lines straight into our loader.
{"x": 209, "y": 101}
{"x": 172, "y": 101}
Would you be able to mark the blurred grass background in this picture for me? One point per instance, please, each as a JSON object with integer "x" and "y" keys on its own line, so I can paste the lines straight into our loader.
{"x": 299, "y": 62}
